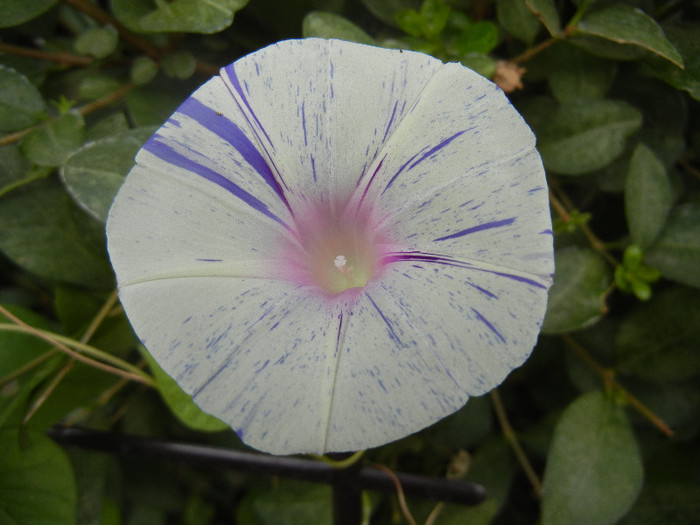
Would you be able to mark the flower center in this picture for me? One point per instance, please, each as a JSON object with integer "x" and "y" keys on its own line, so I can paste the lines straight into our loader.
{"x": 335, "y": 250}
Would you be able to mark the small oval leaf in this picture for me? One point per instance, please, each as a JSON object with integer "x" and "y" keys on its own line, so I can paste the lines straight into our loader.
{"x": 594, "y": 468}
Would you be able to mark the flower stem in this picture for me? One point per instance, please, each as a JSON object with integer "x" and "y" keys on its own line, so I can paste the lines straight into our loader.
{"x": 399, "y": 493}
{"x": 512, "y": 440}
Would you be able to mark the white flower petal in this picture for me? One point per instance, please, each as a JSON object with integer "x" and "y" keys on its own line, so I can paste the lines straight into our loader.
{"x": 322, "y": 109}
{"x": 434, "y": 150}
{"x": 421, "y": 341}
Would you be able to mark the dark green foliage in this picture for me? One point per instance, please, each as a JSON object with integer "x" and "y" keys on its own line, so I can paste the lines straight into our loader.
{"x": 612, "y": 91}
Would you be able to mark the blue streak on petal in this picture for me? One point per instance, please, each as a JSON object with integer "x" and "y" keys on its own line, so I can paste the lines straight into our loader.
{"x": 480, "y": 227}
{"x": 232, "y": 134}
{"x": 231, "y": 72}
{"x": 437, "y": 148}
{"x": 426, "y": 257}
{"x": 489, "y": 325}
{"x": 169, "y": 155}
{"x": 386, "y": 321}
{"x": 391, "y": 121}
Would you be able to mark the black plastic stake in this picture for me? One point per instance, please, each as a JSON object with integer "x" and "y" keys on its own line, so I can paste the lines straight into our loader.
{"x": 347, "y": 483}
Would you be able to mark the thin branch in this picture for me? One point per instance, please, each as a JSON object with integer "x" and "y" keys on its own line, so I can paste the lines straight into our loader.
{"x": 565, "y": 208}
{"x": 53, "y": 384}
{"x": 60, "y": 57}
{"x": 536, "y": 50}
{"x": 608, "y": 377}
{"x": 512, "y": 440}
{"x": 399, "y": 493}
{"x": 88, "y": 108}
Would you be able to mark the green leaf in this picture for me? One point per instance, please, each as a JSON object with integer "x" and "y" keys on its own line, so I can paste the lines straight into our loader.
{"x": 624, "y": 24}
{"x": 99, "y": 42}
{"x": 189, "y": 16}
{"x": 21, "y": 104}
{"x": 386, "y": 10}
{"x": 143, "y": 70}
{"x": 180, "y": 64}
{"x": 659, "y": 340}
{"x": 14, "y": 168}
{"x": 594, "y": 469}
{"x": 668, "y": 503}
{"x": 686, "y": 38}
{"x": 37, "y": 486}
{"x": 647, "y": 196}
{"x": 181, "y": 403}
{"x": 676, "y": 252}
{"x": 577, "y": 297}
{"x": 480, "y": 37}
{"x": 112, "y": 125}
{"x": 16, "y": 12}
{"x": 95, "y": 172}
{"x": 518, "y": 20}
{"x": 152, "y": 105}
{"x": 51, "y": 144}
{"x": 322, "y": 24}
{"x": 547, "y": 13}
{"x": 575, "y": 74}
{"x": 96, "y": 85}
{"x": 294, "y": 503}
{"x": 56, "y": 240}
{"x": 586, "y": 134}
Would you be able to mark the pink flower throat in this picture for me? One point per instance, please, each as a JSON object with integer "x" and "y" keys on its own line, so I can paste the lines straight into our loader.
{"x": 336, "y": 249}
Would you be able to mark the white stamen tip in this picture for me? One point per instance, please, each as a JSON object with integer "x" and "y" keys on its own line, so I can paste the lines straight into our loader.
{"x": 340, "y": 261}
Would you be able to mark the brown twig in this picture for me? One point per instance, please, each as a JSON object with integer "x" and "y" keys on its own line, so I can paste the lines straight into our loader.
{"x": 399, "y": 493}
{"x": 60, "y": 57}
{"x": 90, "y": 107}
{"x": 512, "y": 439}
{"x": 608, "y": 377}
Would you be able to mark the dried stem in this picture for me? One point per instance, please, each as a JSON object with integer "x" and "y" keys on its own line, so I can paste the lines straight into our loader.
{"x": 399, "y": 493}
{"x": 117, "y": 366}
{"x": 608, "y": 377}
{"x": 512, "y": 440}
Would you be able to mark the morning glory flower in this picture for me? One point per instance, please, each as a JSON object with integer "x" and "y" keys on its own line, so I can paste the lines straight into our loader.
{"x": 331, "y": 246}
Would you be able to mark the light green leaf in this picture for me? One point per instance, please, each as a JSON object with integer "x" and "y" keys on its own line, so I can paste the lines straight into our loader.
{"x": 16, "y": 12}
{"x": 577, "y": 297}
{"x": 143, "y": 70}
{"x": 99, "y": 42}
{"x": 594, "y": 469}
{"x": 51, "y": 144}
{"x": 37, "y": 486}
{"x": 180, "y": 64}
{"x": 181, "y": 403}
{"x": 479, "y": 37}
{"x": 55, "y": 240}
{"x": 547, "y": 13}
{"x": 322, "y": 24}
{"x": 647, "y": 196}
{"x": 625, "y": 24}
{"x": 659, "y": 340}
{"x": 586, "y": 134}
{"x": 189, "y": 16}
{"x": 575, "y": 74}
{"x": 518, "y": 20}
{"x": 21, "y": 104}
{"x": 94, "y": 173}
{"x": 676, "y": 252}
